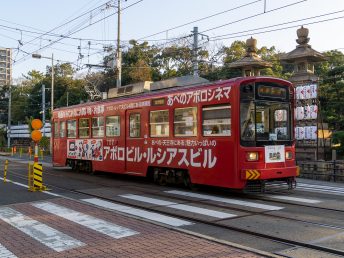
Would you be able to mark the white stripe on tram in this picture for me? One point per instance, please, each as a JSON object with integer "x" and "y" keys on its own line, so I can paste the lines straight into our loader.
{"x": 153, "y": 216}
{"x": 46, "y": 235}
{"x": 5, "y": 253}
{"x": 294, "y": 199}
{"x": 99, "y": 225}
{"x": 226, "y": 200}
{"x": 189, "y": 208}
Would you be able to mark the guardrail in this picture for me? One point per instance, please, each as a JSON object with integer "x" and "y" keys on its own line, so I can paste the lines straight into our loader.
{"x": 323, "y": 170}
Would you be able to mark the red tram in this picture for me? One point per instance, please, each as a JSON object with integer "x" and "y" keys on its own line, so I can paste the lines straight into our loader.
{"x": 235, "y": 134}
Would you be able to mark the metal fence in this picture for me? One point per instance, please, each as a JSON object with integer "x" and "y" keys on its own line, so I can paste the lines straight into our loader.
{"x": 323, "y": 170}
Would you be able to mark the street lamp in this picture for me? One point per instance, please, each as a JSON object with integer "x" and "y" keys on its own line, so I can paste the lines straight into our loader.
{"x": 38, "y": 56}
{"x": 52, "y": 94}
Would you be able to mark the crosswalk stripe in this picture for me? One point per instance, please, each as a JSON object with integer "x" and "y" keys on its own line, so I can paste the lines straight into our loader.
{"x": 225, "y": 200}
{"x": 189, "y": 208}
{"x": 312, "y": 189}
{"x": 99, "y": 225}
{"x": 46, "y": 235}
{"x": 5, "y": 253}
{"x": 153, "y": 216}
{"x": 294, "y": 199}
{"x": 341, "y": 189}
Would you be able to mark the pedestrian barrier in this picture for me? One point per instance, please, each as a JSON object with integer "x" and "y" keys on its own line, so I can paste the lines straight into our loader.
{"x": 30, "y": 152}
{"x": 42, "y": 153}
{"x": 35, "y": 177}
{"x": 5, "y": 170}
{"x": 323, "y": 170}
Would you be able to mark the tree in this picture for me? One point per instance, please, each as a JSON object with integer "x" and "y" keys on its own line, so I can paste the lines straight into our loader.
{"x": 138, "y": 63}
{"x": 335, "y": 58}
{"x": 331, "y": 94}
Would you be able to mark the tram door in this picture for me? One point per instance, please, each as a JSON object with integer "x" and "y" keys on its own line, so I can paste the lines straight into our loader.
{"x": 135, "y": 130}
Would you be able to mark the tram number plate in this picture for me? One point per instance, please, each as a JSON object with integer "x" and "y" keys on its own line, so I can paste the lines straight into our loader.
{"x": 274, "y": 153}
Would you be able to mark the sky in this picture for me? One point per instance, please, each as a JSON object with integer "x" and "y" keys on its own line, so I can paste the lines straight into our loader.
{"x": 43, "y": 26}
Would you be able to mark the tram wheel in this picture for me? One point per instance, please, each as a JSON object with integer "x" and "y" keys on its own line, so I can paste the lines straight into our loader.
{"x": 188, "y": 183}
{"x": 88, "y": 167}
{"x": 74, "y": 165}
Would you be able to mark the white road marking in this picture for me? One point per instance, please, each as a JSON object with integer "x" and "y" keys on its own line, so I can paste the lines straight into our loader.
{"x": 5, "y": 253}
{"x": 321, "y": 188}
{"x": 139, "y": 213}
{"x": 26, "y": 186}
{"x": 226, "y": 200}
{"x": 48, "y": 236}
{"x": 294, "y": 199}
{"x": 189, "y": 208}
{"x": 91, "y": 222}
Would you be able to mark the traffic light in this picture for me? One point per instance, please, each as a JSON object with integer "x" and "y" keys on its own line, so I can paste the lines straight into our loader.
{"x": 36, "y": 134}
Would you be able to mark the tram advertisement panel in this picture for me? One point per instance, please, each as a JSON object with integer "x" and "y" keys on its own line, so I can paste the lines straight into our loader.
{"x": 188, "y": 153}
{"x": 87, "y": 149}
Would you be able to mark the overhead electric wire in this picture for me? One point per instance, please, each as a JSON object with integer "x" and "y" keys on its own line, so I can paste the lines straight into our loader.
{"x": 279, "y": 24}
{"x": 253, "y": 16}
{"x": 236, "y": 21}
{"x": 71, "y": 33}
{"x": 200, "y": 19}
{"x": 284, "y": 28}
{"x": 68, "y": 22}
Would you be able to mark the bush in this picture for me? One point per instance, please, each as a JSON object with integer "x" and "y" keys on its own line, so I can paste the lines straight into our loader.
{"x": 44, "y": 143}
{"x": 338, "y": 138}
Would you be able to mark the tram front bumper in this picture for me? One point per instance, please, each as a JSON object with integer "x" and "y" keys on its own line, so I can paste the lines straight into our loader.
{"x": 269, "y": 173}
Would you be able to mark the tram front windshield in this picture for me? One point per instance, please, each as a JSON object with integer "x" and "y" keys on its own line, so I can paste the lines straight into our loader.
{"x": 264, "y": 118}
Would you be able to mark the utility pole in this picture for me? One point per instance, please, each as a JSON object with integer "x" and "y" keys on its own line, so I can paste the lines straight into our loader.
{"x": 119, "y": 54}
{"x": 52, "y": 84}
{"x": 9, "y": 117}
{"x": 195, "y": 49}
{"x": 67, "y": 98}
{"x": 43, "y": 107}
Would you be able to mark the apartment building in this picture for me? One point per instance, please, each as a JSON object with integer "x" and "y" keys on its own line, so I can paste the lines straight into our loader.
{"x": 5, "y": 66}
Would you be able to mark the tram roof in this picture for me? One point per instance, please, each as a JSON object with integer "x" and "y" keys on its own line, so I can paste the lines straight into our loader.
{"x": 170, "y": 89}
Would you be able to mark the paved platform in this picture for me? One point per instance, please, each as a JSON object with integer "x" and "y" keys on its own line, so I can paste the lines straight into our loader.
{"x": 41, "y": 225}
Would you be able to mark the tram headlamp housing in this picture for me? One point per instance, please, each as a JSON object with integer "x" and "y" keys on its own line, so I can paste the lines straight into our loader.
{"x": 288, "y": 155}
{"x": 252, "y": 156}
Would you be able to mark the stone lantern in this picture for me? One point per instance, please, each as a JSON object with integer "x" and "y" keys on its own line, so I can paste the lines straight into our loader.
{"x": 251, "y": 63}
{"x": 307, "y": 122}
{"x": 303, "y": 57}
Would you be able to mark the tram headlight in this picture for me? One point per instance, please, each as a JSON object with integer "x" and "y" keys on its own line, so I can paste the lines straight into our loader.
{"x": 288, "y": 155}
{"x": 252, "y": 156}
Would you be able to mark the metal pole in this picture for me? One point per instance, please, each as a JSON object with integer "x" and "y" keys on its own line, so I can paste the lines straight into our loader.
{"x": 195, "y": 48}
{"x": 119, "y": 56}
{"x": 52, "y": 84}
{"x": 43, "y": 107}
{"x": 67, "y": 98}
{"x": 9, "y": 117}
{"x": 52, "y": 103}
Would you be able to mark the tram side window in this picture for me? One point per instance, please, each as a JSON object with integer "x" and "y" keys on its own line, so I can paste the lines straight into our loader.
{"x": 62, "y": 129}
{"x": 135, "y": 125}
{"x": 113, "y": 126}
{"x": 217, "y": 120}
{"x": 185, "y": 121}
{"x": 71, "y": 128}
{"x": 159, "y": 123}
{"x": 56, "y": 130}
{"x": 98, "y": 127}
{"x": 84, "y": 131}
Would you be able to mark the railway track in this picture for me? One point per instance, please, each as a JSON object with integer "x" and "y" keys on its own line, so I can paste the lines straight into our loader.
{"x": 182, "y": 199}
